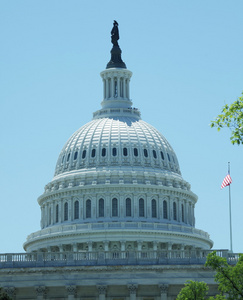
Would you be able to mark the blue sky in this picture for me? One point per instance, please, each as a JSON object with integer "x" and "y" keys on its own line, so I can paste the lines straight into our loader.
{"x": 186, "y": 59}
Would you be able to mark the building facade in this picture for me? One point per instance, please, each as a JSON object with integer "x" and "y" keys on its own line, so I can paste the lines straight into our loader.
{"x": 117, "y": 219}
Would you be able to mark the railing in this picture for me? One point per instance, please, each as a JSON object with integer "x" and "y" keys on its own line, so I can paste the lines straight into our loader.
{"x": 56, "y": 259}
{"x": 117, "y": 225}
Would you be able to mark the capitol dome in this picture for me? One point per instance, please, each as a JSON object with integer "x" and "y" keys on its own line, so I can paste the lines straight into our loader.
{"x": 117, "y": 185}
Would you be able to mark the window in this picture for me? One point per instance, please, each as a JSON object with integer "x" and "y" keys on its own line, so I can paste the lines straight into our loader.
{"x": 168, "y": 156}
{"x": 154, "y": 209}
{"x": 66, "y": 211}
{"x": 114, "y": 207}
{"x": 63, "y": 158}
{"x": 57, "y": 213}
{"x": 154, "y": 154}
{"x": 84, "y": 154}
{"x": 93, "y": 152}
{"x": 135, "y": 151}
{"x": 88, "y": 208}
{"x": 101, "y": 208}
{"x": 145, "y": 151}
{"x": 75, "y": 155}
{"x": 165, "y": 210}
{"x": 76, "y": 210}
{"x": 162, "y": 155}
{"x": 125, "y": 151}
{"x": 174, "y": 211}
{"x": 128, "y": 207}
{"x": 68, "y": 157}
{"x": 114, "y": 151}
{"x": 182, "y": 213}
{"x": 103, "y": 152}
{"x": 141, "y": 207}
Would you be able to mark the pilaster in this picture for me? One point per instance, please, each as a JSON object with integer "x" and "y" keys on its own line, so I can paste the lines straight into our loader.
{"x": 163, "y": 291}
{"x": 132, "y": 290}
{"x": 102, "y": 291}
{"x": 71, "y": 291}
{"x": 41, "y": 292}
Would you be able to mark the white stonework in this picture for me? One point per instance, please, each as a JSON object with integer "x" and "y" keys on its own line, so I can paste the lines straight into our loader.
{"x": 117, "y": 219}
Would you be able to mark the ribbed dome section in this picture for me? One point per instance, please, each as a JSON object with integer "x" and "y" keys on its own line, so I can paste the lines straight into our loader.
{"x": 117, "y": 142}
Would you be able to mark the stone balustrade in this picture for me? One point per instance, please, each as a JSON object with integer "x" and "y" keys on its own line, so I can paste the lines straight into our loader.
{"x": 109, "y": 258}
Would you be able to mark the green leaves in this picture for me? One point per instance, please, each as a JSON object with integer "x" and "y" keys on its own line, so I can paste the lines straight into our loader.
{"x": 231, "y": 117}
{"x": 193, "y": 290}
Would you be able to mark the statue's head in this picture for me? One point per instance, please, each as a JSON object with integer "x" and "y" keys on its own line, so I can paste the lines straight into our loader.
{"x": 115, "y": 23}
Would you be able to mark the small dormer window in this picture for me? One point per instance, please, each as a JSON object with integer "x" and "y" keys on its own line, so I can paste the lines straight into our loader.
{"x": 168, "y": 156}
{"x": 162, "y": 155}
{"x": 75, "y": 155}
{"x": 135, "y": 151}
{"x": 93, "y": 152}
{"x": 84, "y": 154}
{"x": 145, "y": 151}
{"x": 154, "y": 154}
{"x": 125, "y": 151}
{"x": 103, "y": 152}
{"x": 114, "y": 151}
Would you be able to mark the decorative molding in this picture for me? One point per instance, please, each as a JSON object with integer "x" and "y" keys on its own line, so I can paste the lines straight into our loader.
{"x": 10, "y": 291}
{"x": 71, "y": 290}
{"x": 164, "y": 288}
{"x": 132, "y": 288}
{"x": 41, "y": 291}
{"x": 101, "y": 289}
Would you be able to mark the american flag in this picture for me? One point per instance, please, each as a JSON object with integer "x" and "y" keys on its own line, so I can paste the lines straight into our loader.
{"x": 227, "y": 181}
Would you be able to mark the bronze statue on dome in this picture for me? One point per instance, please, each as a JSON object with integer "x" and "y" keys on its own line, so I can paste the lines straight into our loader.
{"x": 115, "y": 34}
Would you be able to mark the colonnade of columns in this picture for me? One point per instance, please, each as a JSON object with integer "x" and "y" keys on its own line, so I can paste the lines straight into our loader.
{"x": 41, "y": 292}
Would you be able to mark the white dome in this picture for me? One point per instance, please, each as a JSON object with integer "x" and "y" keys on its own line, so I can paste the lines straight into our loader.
{"x": 117, "y": 185}
{"x": 116, "y": 143}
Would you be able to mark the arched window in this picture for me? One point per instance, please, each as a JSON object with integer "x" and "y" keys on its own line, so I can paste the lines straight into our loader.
{"x": 68, "y": 157}
{"x": 101, "y": 208}
{"x": 88, "y": 208}
{"x": 154, "y": 209}
{"x": 165, "y": 210}
{"x": 182, "y": 213}
{"x": 114, "y": 151}
{"x": 135, "y": 151}
{"x": 114, "y": 207}
{"x": 75, "y": 155}
{"x": 84, "y": 154}
{"x": 93, "y": 152}
{"x": 168, "y": 156}
{"x": 65, "y": 211}
{"x": 57, "y": 213}
{"x": 128, "y": 207}
{"x": 103, "y": 152}
{"x": 63, "y": 158}
{"x": 145, "y": 151}
{"x": 76, "y": 210}
{"x": 125, "y": 151}
{"x": 162, "y": 155}
{"x": 154, "y": 154}
{"x": 174, "y": 211}
{"x": 141, "y": 207}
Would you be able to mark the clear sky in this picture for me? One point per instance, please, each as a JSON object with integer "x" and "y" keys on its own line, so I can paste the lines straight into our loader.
{"x": 187, "y": 62}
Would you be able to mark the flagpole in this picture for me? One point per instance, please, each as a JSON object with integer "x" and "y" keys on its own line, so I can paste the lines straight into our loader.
{"x": 231, "y": 246}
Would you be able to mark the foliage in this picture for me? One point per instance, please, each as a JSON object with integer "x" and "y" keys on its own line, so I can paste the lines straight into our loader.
{"x": 193, "y": 290}
{"x": 4, "y": 296}
{"x": 229, "y": 278}
{"x": 232, "y": 117}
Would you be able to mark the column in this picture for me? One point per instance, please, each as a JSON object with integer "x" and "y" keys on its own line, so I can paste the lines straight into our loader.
{"x": 118, "y": 87}
{"x": 124, "y": 87}
{"x": 155, "y": 248}
{"x": 104, "y": 88}
{"x": 182, "y": 250}
{"x": 101, "y": 291}
{"x": 112, "y": 87}
{"x": 163, "y": 291}
{"x": 61, "y": 251}
{"x": 71, "y": 291}
{"x": 139, "y": 249}
{"x": 40, "y": 292}
{"x": 169, "y": 249}
{"x": 132, "y": 290}
{"x": 123, "y": 249}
